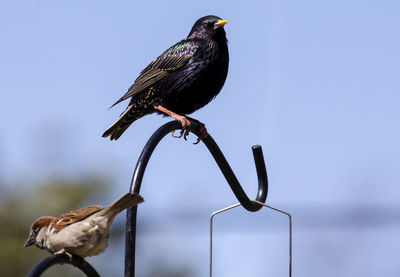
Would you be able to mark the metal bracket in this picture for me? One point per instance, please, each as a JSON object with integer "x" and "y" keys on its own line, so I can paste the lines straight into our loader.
{"x": 267, "y": 206}
{"x": 223, "y": 165}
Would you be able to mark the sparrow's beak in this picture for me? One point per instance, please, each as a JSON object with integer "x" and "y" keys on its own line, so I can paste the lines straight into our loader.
{"x": 30, "y": 241}
{"x": 220, "y": 23}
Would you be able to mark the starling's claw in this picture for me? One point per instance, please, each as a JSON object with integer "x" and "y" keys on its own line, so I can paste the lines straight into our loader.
{"x": 184, "y": 121}
{"x": 180, "y": 135}
{"x": 203, "y": 133}
{"x": 197, "y": 141}
{"x": 186, "y": 134}
{"x": 185, "y": 126}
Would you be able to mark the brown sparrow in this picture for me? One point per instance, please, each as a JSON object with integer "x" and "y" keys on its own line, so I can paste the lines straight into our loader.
{"x": 83, "y": 232}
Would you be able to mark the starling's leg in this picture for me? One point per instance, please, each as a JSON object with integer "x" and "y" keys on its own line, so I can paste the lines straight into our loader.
{"x": 182, "y": 119}
{"x": 202, "y": 128}
{"x": 63, "y": 251}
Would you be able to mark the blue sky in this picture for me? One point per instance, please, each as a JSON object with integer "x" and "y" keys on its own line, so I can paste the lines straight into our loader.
{"x": 316, "y": 83}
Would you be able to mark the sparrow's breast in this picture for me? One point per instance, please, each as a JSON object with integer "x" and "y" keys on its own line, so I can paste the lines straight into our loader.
{"x": 82, "y": 239}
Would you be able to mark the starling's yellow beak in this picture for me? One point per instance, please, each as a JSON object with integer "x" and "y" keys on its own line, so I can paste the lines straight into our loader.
{"x": 220, "y": 23}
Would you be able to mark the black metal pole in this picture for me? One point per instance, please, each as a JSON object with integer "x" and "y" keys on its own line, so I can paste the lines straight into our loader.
{"x": 230, "y": 177}
{"x": 49, "y": 261}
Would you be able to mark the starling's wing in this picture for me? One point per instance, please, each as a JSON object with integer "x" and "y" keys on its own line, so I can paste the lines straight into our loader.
{"x": 73, "y": 216}
{"x": 171, "y": 60}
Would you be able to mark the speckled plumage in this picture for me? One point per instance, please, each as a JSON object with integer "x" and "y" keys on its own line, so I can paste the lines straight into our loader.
{"x": 183, "y": 79}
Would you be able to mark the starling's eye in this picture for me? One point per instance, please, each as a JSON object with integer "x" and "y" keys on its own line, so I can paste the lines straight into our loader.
{"x": 209, "y": 24}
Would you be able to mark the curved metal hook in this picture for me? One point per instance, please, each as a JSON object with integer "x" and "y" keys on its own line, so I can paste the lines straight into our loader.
{"x": 49, "y": 261}
{"x": 218, "y": 156}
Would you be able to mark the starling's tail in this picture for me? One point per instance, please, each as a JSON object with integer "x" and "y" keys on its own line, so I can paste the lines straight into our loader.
{"x": 124, "y": 121}
{"x": 126, "y": 201}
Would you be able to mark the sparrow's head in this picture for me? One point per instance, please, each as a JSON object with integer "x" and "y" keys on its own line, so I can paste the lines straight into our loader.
{"x": 37, "y": 234}
{"x": 209, "y": 26}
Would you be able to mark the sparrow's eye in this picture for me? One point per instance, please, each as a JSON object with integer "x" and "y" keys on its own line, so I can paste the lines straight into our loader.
{"x": 36, "y": 231}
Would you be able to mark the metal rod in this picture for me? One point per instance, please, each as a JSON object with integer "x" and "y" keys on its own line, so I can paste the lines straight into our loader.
{"x": 290, "y": 232}
{"x": 49, "y": 261}
{"x": 211, "y": 230}
{"x": 222, "y": 164}
{"x": 265, "y": 205}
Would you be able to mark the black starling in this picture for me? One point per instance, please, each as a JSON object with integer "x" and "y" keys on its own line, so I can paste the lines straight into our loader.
{"x": 186, "y": 77}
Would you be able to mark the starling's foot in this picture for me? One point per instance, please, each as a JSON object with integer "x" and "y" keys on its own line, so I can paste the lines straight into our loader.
{"x": 183, "y": 133}
{"x": 63, "y": 251}
{"x": 186, "y": 134}
{"x": 185, "y": 127}
{"x": 202, "y": 129}
{"x": 185, "y": 122}
{"x": 180, "y": 135}
{"x": 203, "y": 133}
